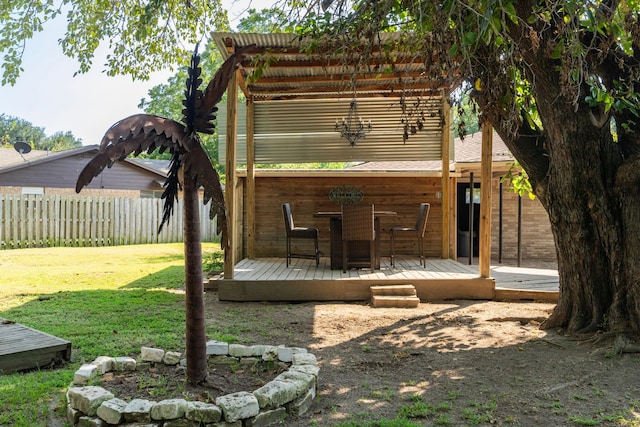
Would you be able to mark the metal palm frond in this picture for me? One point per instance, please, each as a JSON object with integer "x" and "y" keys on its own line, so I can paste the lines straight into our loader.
{"x": 146, "y": 133}
{"x": 134, "y": 135}
{"x": 200, "y": 106}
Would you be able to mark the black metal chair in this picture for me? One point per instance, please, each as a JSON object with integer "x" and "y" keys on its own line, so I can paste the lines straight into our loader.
{"x": 294, "y": 232}
{"x": 358, "y": 224}
{"x": 417, "y": 231}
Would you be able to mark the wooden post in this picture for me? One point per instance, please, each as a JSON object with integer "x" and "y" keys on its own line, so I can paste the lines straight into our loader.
{"x": 485, "y": 200}
{"x": 446, "y": 193}
{"x": 230, "y": 172}
{"x": 251, "y": 182}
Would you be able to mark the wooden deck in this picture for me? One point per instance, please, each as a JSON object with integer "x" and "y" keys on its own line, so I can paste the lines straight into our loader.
{"x": 268, "y": 279}
{"x": 23, "y": 348}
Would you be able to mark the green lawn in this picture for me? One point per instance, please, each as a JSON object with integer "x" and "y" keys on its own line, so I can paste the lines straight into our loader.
{"x": 106, "y": 301}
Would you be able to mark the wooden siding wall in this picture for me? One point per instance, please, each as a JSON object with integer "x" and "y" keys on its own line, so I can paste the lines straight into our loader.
{"x": 311, "y": 194}
{"x": 63, "y": 173}
{"x": 43, "y": 221}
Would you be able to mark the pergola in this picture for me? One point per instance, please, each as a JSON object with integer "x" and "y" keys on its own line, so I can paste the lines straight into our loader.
{"x": 282, "y": 81}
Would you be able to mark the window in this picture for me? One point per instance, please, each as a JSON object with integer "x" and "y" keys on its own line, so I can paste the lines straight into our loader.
{"x": 33, "y": 190}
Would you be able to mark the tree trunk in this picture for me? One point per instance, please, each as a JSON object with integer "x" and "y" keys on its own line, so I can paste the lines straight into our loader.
{"x": 580, "y": 210}
{"x": 587, "y": 182}
{"x": 593, "y": 205}
{"x": 194, "y": 290}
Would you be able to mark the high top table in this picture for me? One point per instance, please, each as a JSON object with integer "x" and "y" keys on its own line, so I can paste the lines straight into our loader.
{"x": 358, "y": 250}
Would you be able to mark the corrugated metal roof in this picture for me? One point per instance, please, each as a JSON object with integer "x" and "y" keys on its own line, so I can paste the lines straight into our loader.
{"x": 303, "y": 131}
{"x": 293, "y": 73}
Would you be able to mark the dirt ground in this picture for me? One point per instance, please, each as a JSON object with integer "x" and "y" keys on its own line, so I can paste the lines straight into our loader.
{"x": 444, "y": 363}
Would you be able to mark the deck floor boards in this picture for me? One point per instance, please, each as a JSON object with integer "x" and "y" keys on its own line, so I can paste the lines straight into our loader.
{"x": 302, "y": 273}
{"x": 24, "y": 348}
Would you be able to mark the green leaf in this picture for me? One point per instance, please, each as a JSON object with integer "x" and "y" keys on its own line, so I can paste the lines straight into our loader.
{"x": 470, "y": 38}
{"x": 453, "y": 50}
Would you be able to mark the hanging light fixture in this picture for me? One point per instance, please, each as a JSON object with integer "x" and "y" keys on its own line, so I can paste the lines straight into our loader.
{"x": 352, "y": 128}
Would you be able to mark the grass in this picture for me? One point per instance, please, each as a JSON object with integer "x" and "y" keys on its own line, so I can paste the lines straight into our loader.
{"x": 105, "y": 300}
{"x": 114, "y": 300}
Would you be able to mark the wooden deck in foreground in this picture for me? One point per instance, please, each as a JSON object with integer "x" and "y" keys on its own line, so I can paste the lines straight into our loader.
{"x": 23, "y": 348}
{"x": 268, "y": 279}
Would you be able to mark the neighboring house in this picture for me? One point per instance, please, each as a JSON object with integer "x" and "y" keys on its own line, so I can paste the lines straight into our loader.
{"x": 536, "y": 239}
{"x": 122, "y": 205}
{"x": 42, "y": 172}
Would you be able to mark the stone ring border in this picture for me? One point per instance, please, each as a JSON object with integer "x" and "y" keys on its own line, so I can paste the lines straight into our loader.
{"x": 290, "y": 393}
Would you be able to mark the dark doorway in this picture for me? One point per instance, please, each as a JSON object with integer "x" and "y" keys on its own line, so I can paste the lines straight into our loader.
{"x": 463, "y": 200}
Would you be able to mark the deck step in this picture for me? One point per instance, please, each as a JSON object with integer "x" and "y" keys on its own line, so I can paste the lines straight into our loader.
{"x": 399, "y": 296}
{"x": 399, "y": 290}
{"x": 395, "y": 301}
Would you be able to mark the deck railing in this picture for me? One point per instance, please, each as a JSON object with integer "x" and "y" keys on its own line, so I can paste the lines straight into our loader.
{"x": 28, "y": 221}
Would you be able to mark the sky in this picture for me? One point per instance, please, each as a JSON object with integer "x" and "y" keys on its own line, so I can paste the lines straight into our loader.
{"x": 48, "y": 96}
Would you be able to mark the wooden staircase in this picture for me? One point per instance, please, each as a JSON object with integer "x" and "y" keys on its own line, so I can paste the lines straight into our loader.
{"x": 397, "y": 296}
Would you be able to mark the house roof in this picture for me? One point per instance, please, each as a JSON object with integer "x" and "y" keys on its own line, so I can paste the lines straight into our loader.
{"x": 36, "y": 157}
{"x": 294, "y": 73}
{"x": 160, "y": 167}
{"x": 417, "y": 165}
{"x": 467, "y": 150}
{"x": 10, "y": 157}
{"x": 53, "y": 155}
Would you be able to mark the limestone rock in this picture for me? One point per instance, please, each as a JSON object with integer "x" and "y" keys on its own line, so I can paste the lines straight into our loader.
{"x": 87, "y": 399}
{"x": 237, "y": 406}
{"x": 275, "y": 393}
{"x": 203, "y": 412}
{"x": 138, "y": 410}
{"x": 304, "y": 359}
{"x": 84, "y": 374}
{"x": 148, "y": 354}
{"x": 104, "y": 364}
{"x": 112, "y": 411}
{"x": 169, "y": 409}
{"x": 217, "y": 348}
{"x": 239, "y": 350}
{"x": 124, "y": 364}
{"x": 171, "y": 358}
{"x": 285, "y": 354}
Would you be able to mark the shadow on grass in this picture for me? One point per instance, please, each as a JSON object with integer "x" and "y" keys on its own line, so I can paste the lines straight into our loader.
{"x": 146, "y": 312}
{"x": 170, "y": 278}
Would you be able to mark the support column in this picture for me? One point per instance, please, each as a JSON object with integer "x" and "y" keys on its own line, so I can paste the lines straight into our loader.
{"x": 446, "y": 187}
{"x": 251, "y": 183}
{"x": 485, "y": 200}
{"x": 230, "y": 173}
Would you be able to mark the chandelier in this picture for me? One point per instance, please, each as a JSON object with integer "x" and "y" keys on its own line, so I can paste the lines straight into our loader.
{"x": 352, "y": 128}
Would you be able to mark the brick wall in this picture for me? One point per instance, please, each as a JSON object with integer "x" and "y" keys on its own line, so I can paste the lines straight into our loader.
{"x": 537, "y": 239}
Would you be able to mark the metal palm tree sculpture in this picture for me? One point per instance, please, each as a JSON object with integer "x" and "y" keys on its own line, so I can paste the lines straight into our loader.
{"x": 146, "y": 133}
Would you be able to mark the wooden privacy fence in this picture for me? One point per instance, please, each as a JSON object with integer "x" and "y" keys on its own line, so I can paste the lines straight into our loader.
{"x": 29, "y": 221}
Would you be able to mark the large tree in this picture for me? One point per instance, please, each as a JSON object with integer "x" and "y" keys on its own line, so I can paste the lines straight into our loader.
{"x": 560, "y": 82}
{"x": 142, "y": 36}
{"x": 558, "y": 79}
